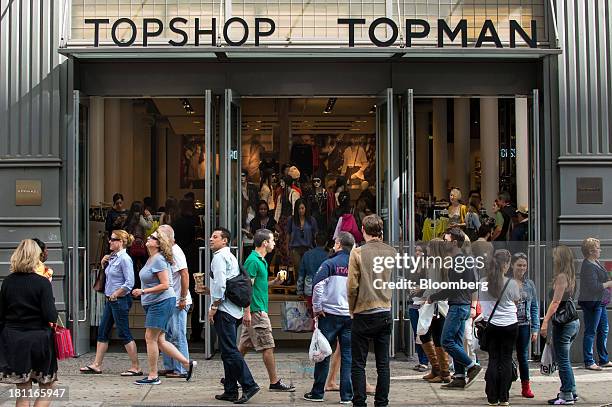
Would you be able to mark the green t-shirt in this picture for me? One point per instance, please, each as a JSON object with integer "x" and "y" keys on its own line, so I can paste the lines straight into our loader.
{"x": 257, "y": 267}
{"x": 499, "y": 219}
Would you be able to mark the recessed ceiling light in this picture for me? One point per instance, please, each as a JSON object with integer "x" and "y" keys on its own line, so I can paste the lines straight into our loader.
{"x": 196, "y": 122}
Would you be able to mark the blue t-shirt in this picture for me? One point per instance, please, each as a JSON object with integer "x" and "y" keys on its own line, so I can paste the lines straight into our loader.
{"x": 149, "y": 279}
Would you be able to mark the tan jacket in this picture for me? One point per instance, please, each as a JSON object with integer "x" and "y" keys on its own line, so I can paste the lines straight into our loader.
{"x": 362, "y": 296}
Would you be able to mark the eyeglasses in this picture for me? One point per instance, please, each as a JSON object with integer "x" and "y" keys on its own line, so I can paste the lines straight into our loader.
{"x": 114, "y": 239}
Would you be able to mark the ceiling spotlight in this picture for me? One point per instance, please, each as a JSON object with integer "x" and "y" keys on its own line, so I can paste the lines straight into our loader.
{"x": 187, "y": 106}
{"x": 372, "y": 109}
{"x": 331, "y": 102}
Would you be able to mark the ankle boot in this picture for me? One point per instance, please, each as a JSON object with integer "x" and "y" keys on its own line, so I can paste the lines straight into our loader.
{"x": 526, "y": 389}
{"x": 444, "y": 376}
{"x": 430, "y": 351}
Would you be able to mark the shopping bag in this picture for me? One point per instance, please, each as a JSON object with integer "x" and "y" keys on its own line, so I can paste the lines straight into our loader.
{"x": 548, "y": 365}
{"x": 296, "y": 317}
{"x": 425, "y": 316}
{"x": 63, "y": 342}
{"x": 319, "y": 346}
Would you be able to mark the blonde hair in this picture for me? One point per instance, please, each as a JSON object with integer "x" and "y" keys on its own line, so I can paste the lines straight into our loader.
{"x": 26, "y": 256}
{"x": 126, "y": 238}
{"x": 563, "y": 263}
{"x": 165, "y": 247}
{"x": 588, "y": 246}
{"x": 457, "y": 192}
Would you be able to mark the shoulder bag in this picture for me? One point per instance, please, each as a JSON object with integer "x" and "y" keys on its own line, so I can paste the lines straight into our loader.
{"x": 482, "y": 326}
{"x": 566, "y": 312}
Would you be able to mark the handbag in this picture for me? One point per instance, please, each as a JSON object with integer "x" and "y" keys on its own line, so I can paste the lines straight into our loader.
{"x": 63, "y": 341}
{"x": 482, "y": 326}
{"x": 138, "y": 248}
{"x": 100, "y": 282}
{"x": 566, "y": 312}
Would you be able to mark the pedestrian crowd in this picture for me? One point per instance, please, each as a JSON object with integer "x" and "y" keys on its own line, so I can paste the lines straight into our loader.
{"x": 351, "y": 313}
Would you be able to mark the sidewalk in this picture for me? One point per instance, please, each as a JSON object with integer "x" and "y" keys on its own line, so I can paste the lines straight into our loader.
{"x": 407, "y": 389}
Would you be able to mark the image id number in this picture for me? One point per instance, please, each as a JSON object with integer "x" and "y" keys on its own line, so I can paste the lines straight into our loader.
{"x": 34, "y": 393}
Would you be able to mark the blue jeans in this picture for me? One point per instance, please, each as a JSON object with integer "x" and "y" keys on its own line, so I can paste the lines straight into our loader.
{"x": 116, "y": 313}
{"x": 595, "y": 323}
{"x": 452, "y": 338}
{"x": 413, "y": 313}
{"x": 236, "y": 369}
{"x": 335, "y": 328}
{"x": 522, "y": 350}
{"x": 177, "y": 335}
{"x": 563, "y": 337}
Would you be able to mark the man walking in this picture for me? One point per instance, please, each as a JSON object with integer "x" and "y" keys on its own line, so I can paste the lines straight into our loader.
{"x": 256, "y": 326}
{"x": 177, "y": 326}
{"x": 461, "y": 307}
{"x": 330, "y": 306}
{"x": 370, "y": 308}
{"x": 226, "y": 317}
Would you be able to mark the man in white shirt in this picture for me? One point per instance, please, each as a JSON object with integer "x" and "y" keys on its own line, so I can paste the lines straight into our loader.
{"x": 177, "y": 326}
{"x": 226, "y": 317}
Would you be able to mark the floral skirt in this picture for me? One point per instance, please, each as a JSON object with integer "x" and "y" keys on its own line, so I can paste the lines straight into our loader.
{"x": 27, "y": 354}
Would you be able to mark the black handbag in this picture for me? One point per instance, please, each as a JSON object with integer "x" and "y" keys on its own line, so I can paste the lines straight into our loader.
{"x": 566, "y": 312}
{"x": 482, "y": 326}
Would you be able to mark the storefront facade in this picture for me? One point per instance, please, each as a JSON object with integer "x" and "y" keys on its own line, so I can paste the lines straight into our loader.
{"x": 54, "y": 86}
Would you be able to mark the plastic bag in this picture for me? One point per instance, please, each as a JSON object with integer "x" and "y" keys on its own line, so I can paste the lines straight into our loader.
{"x": 425, "y": 316}
{"x": 319, "y": 347}
{"x": 548, "y": 365}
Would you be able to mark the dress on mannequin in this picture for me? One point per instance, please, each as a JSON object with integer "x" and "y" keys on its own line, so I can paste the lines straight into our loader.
{"x": 355, "y": 163}
{"x": 251, "y": 157}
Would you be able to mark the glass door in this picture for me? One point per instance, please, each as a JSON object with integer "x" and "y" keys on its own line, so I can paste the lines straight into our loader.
{"x": 211, "y": 215}
{"x": 77, "y": 231}
{"x": 231, "y": 165}
{"x": 388, "y": 183}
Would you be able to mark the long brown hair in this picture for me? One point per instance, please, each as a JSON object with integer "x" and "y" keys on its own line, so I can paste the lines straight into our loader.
{"x": 563, "y": 263}
{"x": 495, "y": 276}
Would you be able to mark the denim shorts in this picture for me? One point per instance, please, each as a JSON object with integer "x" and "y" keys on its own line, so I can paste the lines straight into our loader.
{"x": 157, "y": 315}
{"x": 116, "y": 313}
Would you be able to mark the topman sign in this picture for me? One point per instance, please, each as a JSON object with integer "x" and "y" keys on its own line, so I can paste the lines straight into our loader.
{"x": 236, "y": 32}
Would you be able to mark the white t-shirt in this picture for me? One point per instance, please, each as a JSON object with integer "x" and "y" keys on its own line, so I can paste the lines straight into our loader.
{"x": 180, "y": 262}
{"x": 506, "y": 312}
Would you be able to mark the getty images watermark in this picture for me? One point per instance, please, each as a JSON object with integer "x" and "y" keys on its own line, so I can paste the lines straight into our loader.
{"x": 413, "y": 264}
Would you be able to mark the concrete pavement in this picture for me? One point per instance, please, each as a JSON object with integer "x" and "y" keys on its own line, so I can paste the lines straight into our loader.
{"x": 407, "y": 389}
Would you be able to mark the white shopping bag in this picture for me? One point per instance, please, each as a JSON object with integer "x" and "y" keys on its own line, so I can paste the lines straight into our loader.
{"x": 548, "y": 365}
{"x": 319, "y": 346}
{"x": 425, "y": 316}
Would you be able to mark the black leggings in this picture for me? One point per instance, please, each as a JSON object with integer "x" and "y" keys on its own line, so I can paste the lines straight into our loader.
{"x": 434, "y": 332}
{"x": 499, "y": 370}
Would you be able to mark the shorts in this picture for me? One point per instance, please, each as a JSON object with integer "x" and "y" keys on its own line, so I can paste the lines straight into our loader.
{"x": 258, "y": 335}
{"x": 157, "y": 315}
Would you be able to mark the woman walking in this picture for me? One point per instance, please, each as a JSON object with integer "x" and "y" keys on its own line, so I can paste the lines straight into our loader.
{"x": 594, "y": 297}
{"x": 528, "y": 318}
{"x": 119, "y": 272}
{"x": 431, "y": 341}
{"x": 27, "y": 309}
{"x": 158, "y": 301}
{"x": 565, "y": 322}
{"x": 498, "y": 304}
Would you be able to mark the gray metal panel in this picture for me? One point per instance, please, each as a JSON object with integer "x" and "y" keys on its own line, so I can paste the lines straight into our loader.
{"x": 30, "y": 128}
{"x": 584, "y": 73}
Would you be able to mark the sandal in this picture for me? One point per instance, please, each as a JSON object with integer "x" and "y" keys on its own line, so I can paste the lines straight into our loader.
{"x": 609, "y": 364}
{"x": 594, "y": 367}
{"x": 335, "y": 388}
{"x": 129, "y": 373}
{"x": 89, "y": 370}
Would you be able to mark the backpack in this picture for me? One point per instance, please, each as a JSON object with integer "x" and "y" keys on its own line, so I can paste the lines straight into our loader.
{"x": 239, "y": 289}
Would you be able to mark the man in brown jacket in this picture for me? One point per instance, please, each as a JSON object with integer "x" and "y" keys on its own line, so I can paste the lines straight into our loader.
{"x": 370, "y": 307}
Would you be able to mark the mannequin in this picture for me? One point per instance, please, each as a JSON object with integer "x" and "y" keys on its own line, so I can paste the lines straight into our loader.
{"x": 265, "y": 189}
{"x": 289, "y": 194}
{"x": 355, "y": 162}
{"x": 318, "y": 203}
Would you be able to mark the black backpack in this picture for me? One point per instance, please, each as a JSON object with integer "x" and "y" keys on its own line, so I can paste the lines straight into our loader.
{"x": 239, "y": 289}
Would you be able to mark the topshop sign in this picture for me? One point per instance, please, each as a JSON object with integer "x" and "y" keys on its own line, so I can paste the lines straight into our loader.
{"x": 200, "y": 33}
